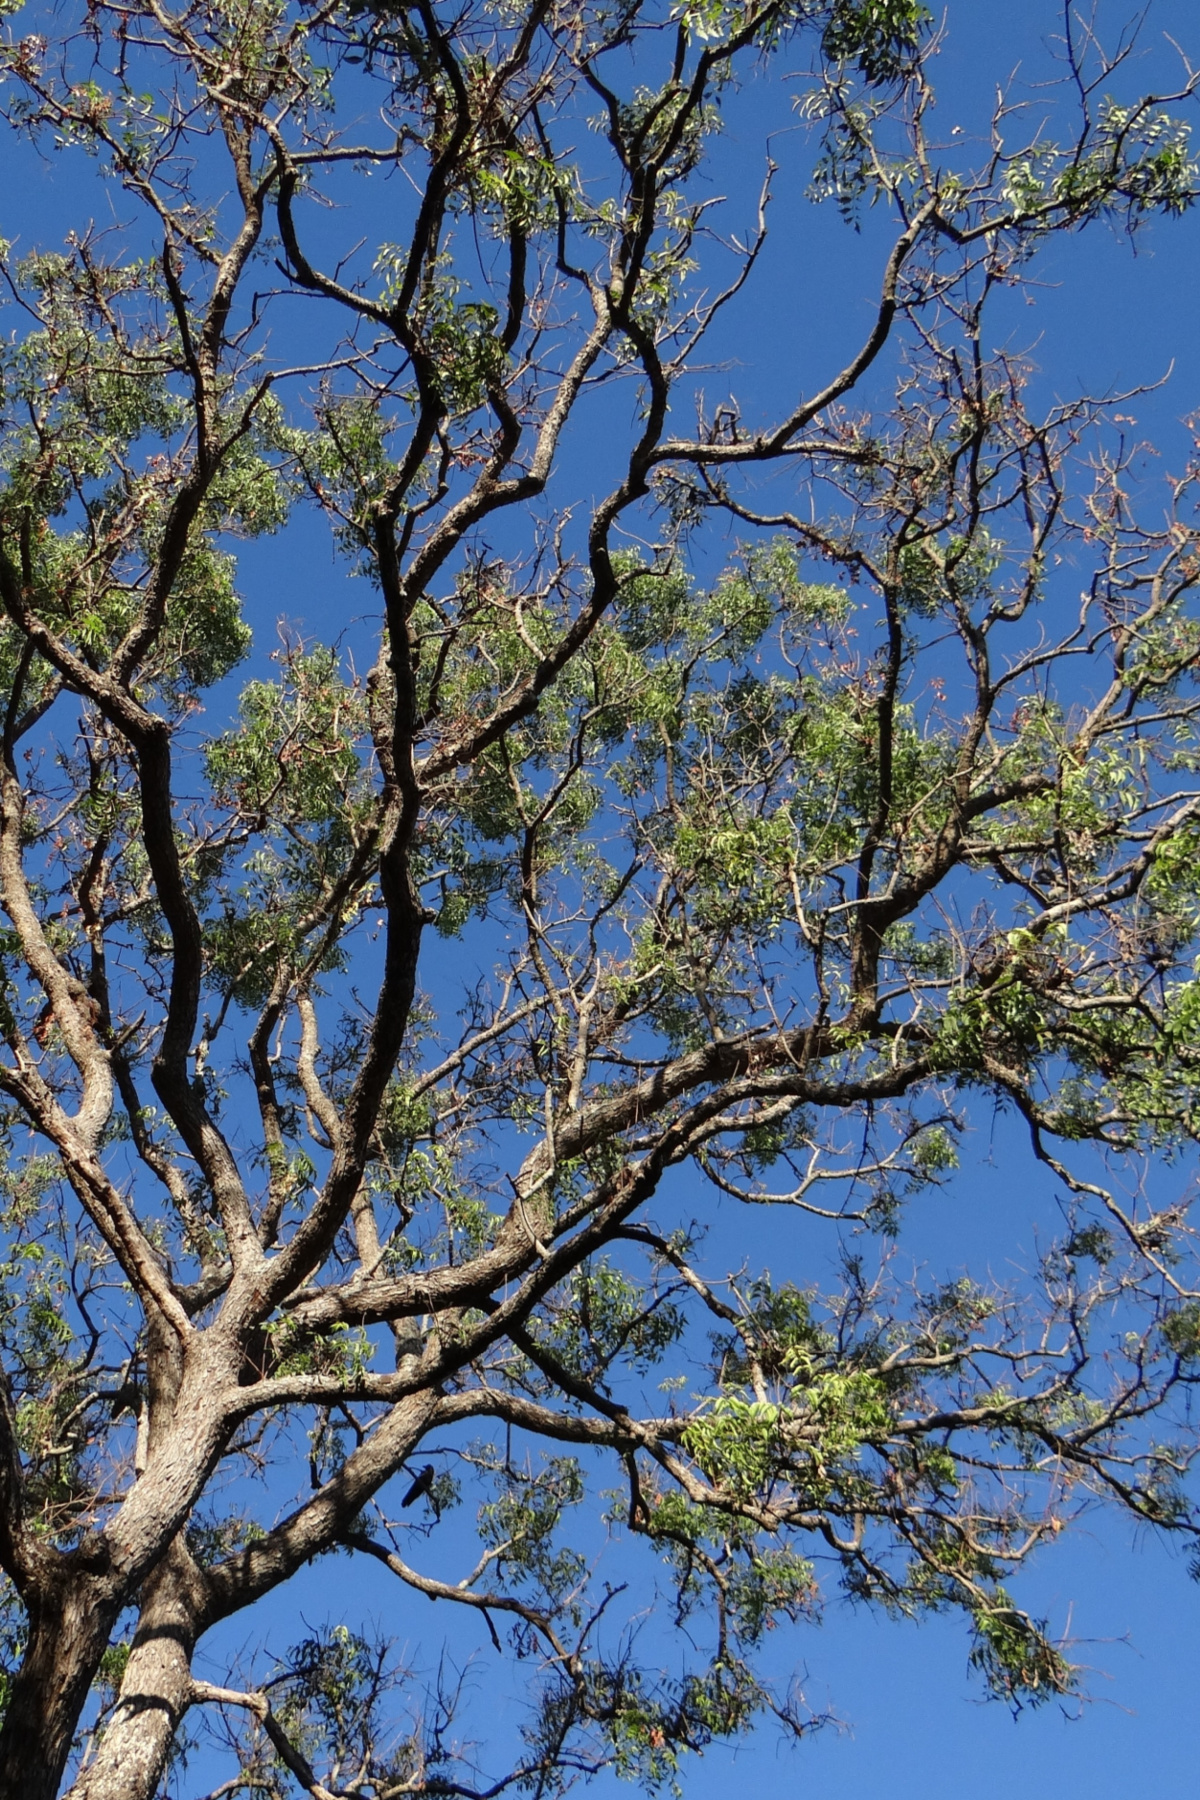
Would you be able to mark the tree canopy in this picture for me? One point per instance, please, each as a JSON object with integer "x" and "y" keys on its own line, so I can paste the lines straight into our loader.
{"x": 381, "y": 1032}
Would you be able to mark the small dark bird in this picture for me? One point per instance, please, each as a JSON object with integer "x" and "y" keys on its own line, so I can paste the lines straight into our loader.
{"x": 420, "y": 1486}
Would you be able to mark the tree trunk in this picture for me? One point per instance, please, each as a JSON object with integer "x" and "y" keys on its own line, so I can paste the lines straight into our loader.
{"x": 133, "y": 1751}
{"x": 69, "y": 1629}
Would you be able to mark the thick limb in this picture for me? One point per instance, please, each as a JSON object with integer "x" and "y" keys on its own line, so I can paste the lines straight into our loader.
{"x": 70, "y": 1623}
{"x": 156, "y": 1687}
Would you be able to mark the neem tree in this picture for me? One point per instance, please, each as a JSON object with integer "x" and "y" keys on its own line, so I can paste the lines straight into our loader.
{"x": 781, "y": 858}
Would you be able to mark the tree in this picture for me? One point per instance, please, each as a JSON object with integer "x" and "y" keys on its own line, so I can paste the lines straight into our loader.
{"x": 791, "y": 817}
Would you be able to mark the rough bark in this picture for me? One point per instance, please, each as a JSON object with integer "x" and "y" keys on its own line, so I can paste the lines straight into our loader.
{"x": 685, "y": 1013}
{"x": 73, "y": 1607}
{"x": 180, "y": 1601}
{"x": 69, "y": 1630}
{"x": 155, "y": 1690}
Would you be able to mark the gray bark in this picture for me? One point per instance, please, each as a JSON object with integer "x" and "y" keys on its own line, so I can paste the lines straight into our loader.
{"x": 180, "y": 1601}
{"x": 155, "y": 1691}
{"x": 69, "y": 1629}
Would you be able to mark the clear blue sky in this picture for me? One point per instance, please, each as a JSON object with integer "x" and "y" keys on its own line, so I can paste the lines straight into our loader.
{"x": 914, "y": 1727}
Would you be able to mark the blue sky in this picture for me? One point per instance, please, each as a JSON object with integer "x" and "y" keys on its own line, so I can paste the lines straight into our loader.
{"x": 1109, "y": 316}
